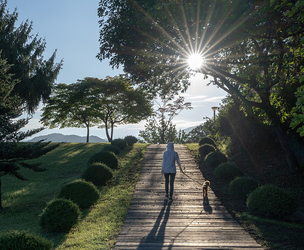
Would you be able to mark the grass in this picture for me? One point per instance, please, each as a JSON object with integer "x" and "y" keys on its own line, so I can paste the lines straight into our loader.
{"x": 271, "y": 234}
{"x": 100, "y": 225}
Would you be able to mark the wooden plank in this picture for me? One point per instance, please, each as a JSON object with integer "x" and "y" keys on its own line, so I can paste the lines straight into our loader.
{"x": 189, "y": 222}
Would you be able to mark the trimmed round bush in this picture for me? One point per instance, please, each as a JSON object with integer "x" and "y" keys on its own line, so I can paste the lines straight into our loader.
{"x": 23, "y": 240}
{"x": 119, "y": 143}
{"x": 98, "y": 173}
{"x": 60, "y": 215}
{"x": 81, "y": 192}
{"x": 271, "y": 201}
{"x": 227, "y": 171}
{"x": 206, "y": 149}
{"x": 130, "y": 140}
{"x": 215, "y": 158}
{"x": 106, "y": 157}
{"x": 241, "y": 187}
{"x": 207, "y": 140}
{"x": 111, "y": 148}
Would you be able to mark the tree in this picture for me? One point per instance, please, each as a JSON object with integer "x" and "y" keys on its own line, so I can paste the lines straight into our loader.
{"x": 93, "y": 101}
{"x": 12, "y": 153}
{"x": 116, "y": 102}
{"x": 70, "y": 105}
{"x": 160, "y": 128}
{"x": 251, "y": 50}
{"x": 25, "y": 79}
{"x": 24, "y": 52}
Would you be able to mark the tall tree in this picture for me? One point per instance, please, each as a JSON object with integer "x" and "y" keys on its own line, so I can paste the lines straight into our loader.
{"x": 250, "y": 48}
{"x": 160, "y": 128}
{"x": 70, "y": 105}
{"x": 92, "y": 102}
{"x": 116, "y": 102}
{"x": 12, "y": 153}
{"x": 24, "y": 52}
{"x": 25, "y": 79}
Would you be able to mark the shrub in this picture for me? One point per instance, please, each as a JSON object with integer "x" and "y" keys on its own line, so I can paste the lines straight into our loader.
{"x": 23, "y": 240}
{"x": 227, "y": 171}
{"x": 206, "y": 149}
{"x": 271, "y": 201}
{"x": 242, "y": 186}
{"x": 130, "y": 140}
{"x": 119, "y": 143}
{"x": 215, "y": 158}
{"x": 98, "y": 173}
{"x": 106, "y": 157}
{"x": 60, "y": 215}
{"x": 112, "y": 148}
{"x": 81, "y": 192}
{"x": 207, "y": 140}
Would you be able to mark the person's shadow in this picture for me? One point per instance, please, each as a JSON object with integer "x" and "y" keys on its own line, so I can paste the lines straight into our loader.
{"x": 157, "y": 234}
{"x": 207, "y": 207}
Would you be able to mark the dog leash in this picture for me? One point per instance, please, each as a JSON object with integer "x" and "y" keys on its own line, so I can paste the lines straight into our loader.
{"x": 192, "y": 179}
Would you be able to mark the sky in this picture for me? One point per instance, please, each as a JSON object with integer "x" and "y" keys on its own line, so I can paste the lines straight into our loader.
{"x": 71, "y": 27}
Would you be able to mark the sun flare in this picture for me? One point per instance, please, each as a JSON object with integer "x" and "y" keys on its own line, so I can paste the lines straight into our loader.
{"x": 195, "y": 61}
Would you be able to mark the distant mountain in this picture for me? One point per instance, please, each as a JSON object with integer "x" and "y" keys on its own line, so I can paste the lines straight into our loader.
{"x": 187, "y": 130}
{"x": 56, "y": 137}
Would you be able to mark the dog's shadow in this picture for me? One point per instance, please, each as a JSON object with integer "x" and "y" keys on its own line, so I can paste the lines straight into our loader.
{"x": 207, "y": 207}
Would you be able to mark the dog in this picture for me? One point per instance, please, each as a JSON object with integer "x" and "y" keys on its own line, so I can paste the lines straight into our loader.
{"x": 205, "y": 188}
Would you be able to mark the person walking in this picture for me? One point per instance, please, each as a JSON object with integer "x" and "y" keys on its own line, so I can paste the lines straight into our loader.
{"x": 168, "y": 169}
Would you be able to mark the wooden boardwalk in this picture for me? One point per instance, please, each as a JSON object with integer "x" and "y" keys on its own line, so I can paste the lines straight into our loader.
{"x": 189, "y": 222}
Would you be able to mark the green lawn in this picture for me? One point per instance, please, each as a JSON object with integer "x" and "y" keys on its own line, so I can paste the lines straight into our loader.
{"x": 99, "y": 226}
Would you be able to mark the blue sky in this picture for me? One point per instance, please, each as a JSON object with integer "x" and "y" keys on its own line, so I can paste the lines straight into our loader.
{"x": 71, "y": 27}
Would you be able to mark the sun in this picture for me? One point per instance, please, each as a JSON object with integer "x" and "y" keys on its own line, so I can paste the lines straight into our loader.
{"x": 195, "y": 61}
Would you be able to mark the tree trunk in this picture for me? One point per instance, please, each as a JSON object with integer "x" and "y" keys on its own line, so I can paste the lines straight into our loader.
{"x": 285, "y": 145}
{"x": 88, "y": 133}
{"x": 107, "y": 133}
{"x": 112, "y": 130}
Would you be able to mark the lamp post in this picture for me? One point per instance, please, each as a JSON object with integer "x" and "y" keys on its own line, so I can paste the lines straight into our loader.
{"x": 214, "y": 109}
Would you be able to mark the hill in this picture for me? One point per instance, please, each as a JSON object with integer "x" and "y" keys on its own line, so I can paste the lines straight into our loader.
{"x": 57, "y": 137}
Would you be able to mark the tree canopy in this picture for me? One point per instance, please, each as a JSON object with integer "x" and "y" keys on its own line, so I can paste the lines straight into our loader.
{"x": 24, "y": 52}
{"x": 252, "y": 49}
{"x": 91, "y": 102}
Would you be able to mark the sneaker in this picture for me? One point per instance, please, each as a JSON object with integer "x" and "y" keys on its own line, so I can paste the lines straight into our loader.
{"x": 170, "y": 199}
{"x": 166, "y": 196}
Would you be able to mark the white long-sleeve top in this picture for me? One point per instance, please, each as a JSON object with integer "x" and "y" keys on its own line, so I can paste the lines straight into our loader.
{"x": 169, "y": 159}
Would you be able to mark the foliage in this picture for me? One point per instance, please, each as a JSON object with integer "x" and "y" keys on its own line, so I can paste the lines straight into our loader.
{"x": 120, "y": 143}
{"x": 205, "y": 149}
{"x": 271, "y": 201}
{"x": 33, "y": 75}
{"x": 215, "y": 158}
{"x": 98, "y": 173}
{"x": 227, "y": 171}
{"x": 112, "y": 148}
{"x": 81, "y": 192}
{"x": 60, "y": 215}
{"x": 196, "y": 134}
{"x": 159, "y": 128}
{"x": 207, "y": 140}
{"x": 23, "y": 240}
{"x": 92, "y": 101}
{"x": 130, "y": 140}
{"x": 70, "y": 106}
{"x": 241, "y": 187}
{"x": 253, "y": 50}
{"x": 298, "y": 112}
{"x": 106, "y": 157}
